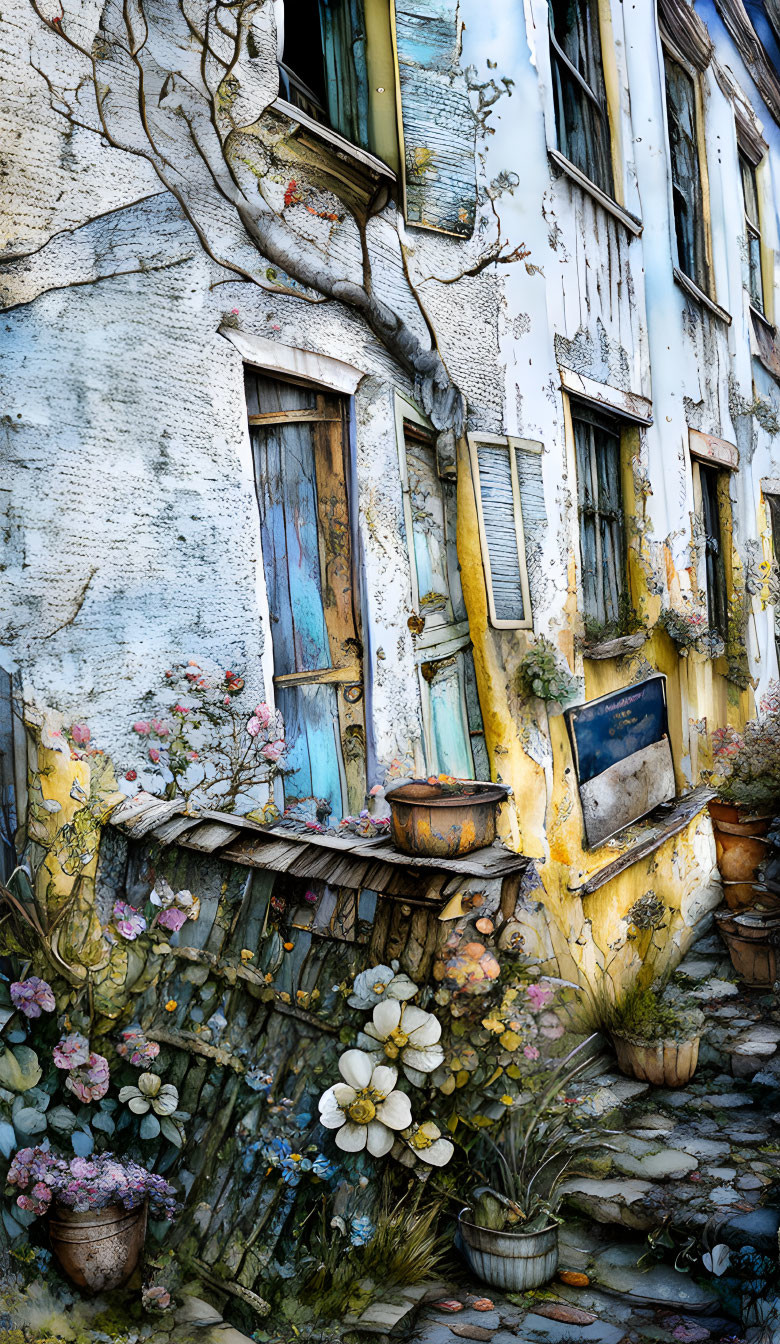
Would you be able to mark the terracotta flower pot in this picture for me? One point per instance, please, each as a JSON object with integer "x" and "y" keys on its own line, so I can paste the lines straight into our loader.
{"x": 442, "y": 825}
{"x": 739, "y": 844}
{"x": 730, "y": 814}
{"x": 99, "y": 1249}
{"x": 663, "y": 1063}
{"x": 749, "y": 895}
{"x": 752, "y": 938}
{"x": 516, "y": 1261}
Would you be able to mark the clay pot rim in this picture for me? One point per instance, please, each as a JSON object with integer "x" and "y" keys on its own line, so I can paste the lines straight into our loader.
{"x": 737, "y": 807}
{"x": 659, "y": 1041}
{"x": 481, "y": 792}
{"x": 525, "y": 1236}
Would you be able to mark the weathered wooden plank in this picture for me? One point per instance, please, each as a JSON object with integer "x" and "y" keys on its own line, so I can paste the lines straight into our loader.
{"x": 212, "y": 836}
{"x": 171, "y": 831}
{"x": 667, "y": 821}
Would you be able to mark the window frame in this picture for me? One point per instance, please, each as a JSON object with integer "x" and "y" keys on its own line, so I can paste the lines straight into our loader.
{"x": 704, "y": 284}
{"x": 754, "y": 231}
{"x": 513, "y": 444}
{"x": 585, "y": 412}
{"x": 716, "y": 595}
{"x": 607, "y": 113}
{"x": 444, "y": 642}
{"x": 384, "y": 125}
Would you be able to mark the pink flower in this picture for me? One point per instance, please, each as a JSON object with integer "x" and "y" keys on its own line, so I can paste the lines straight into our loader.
{"x": 80, "y": 734}
{"x": 530, "y": 1052}
{"x": 154, "y": 755}
{"x": 32, "y": 996}
{"x": 157, "y": 1296}
{"x": 539, "y": 995}
{"x": 141, "y": 727}
{"x": 311, "y": 897}
{"x": 263, "y": 713}
{"x": 90, "y": 1082}
{"x": 226, "y": 700}
{"x": 192, "y": 756}
{"x": 72, "y": 1051}
{"x": 181, "y": 709}
{"x": 172, "y": 919}
{"x": 128, "y": 921}
{"x": 273, "y": 750}
{"x": 135, "y": 1047}
{"x": 162, "y": 730}
{"x": 254, "y": 726}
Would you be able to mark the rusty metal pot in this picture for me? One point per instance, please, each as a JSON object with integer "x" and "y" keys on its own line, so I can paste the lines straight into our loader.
{"x": 752, "y": 938}
{"x": 99, "y": 1249}
{"x": 444, "y": 825}
{"x": 663, "y": 1063}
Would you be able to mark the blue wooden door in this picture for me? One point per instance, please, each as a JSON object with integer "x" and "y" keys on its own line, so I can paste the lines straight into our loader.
{"x": 298, "y": 439}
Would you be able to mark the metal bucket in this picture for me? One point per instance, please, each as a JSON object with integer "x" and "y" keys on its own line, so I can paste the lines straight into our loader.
{"x": 516, "y": 1261}
{"x": 427, "y": 821}
{"x": 99, "y": 1249}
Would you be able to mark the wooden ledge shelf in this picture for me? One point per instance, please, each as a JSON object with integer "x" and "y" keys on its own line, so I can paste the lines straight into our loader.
{"x": 373, "y": 864}
{"x": 667, "y": 820}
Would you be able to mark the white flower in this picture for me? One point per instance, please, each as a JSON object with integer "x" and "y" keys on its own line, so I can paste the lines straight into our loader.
{"x": 364, "y": 1108}
{"x": 150, "y": 1094}
{"x": 407, "y": 1034}
{"x": 378, "y": 983}
{"x": 425, "y": 1142}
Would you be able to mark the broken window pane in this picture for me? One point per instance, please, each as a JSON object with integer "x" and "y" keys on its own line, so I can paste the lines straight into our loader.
{"x": 686, "y": 173}
{"x": 602, "y": 519}
{"x": 322, "y": 68}
{"x": 578, "y": 89}
{"x": 753, "y": 230}
{"x": 713, "y": 550}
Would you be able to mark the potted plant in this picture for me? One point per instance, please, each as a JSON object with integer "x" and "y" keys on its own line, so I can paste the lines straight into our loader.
{"x": 442, "y": 817}
{"x": 96, "y": 1209}
{"x": 747, "y": 777}
{"x": 752, "y": 938}
{"x": 508, "y": 1233}
{"x": 655, "y": 1041}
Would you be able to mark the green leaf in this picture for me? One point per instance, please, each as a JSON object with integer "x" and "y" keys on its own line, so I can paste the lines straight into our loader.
{"x": 171, "y": 1131}
{"x": 83, "y": 1142}
{"x": 7, "y": 1138}
{"x": 61, "y": 1118}
{"x": 101, "y": 1120}
{"x": 150, "y": 1127}
{"x": 19, "y": 1069}
{"x": 30, "y": 1121}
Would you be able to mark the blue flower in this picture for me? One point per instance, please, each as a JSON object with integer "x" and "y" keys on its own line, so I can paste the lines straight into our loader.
{"x": 361, "y": 1231}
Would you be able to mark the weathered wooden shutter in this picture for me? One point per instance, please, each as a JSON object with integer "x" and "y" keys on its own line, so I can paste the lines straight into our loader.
{"x": 438, "y": 124}
{"x": 494, "y": 463}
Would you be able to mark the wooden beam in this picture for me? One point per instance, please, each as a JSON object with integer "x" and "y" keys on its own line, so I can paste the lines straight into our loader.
{"x": 340, "y": 675}
{"x": 667, "y": 821}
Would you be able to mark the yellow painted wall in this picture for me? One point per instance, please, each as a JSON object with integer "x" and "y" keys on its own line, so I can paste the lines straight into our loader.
{"x": 544, "y": 818}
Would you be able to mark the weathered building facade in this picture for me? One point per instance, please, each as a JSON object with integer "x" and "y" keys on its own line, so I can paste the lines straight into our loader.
{"x": 360, "y": 351}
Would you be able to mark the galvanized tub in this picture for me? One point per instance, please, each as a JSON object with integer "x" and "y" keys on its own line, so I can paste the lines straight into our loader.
{"x": 428, "y": 821}
{"x": 516, "y": 1261}
{"x": 99, "y": 1249}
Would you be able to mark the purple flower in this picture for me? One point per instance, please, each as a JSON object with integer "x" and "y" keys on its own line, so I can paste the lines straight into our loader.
{"x": 128, "y": 921}
{"x": 172, "y": 919}
{"x": 90, "y": 1082}
{"x": 32, "y": 996}
{"x": 540, "y": 995}
{"x": 72, "y": 1051}
{"x": 134, "y": 1046}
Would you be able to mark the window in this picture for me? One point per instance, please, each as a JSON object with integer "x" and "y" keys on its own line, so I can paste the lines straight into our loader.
{"x": 300, "y": 448}
{"x": 687, "y": 194}
{"x": 601, "y": 516}
{"x": 496, "y": 466}
{"x": 454, "y": 736}
{"x": 714, "y": 568}
{"x": 579, "y": 94}
{"x": 753, "y": 230}
{"x": 322, "y": 66}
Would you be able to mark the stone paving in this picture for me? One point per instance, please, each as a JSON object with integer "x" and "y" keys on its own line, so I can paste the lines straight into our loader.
{"x": 701, "y": 1162}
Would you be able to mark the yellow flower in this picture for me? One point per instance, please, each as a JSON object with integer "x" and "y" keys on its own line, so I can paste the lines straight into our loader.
{"x": 506, "y": 1100}
{"x": 493, "y": 1024}
{"x": 284, "y": 996}
{"x": 171, "y": 1006}
{"x": 246, "y": 955}
{"x": 288, "y": 947}
{"x": 510, "y": 1040}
